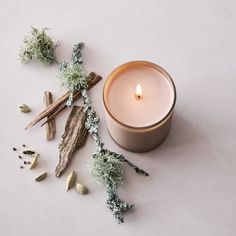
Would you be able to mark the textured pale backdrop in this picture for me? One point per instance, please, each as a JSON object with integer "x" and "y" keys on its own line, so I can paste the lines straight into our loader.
{"x": 191, "y": 190}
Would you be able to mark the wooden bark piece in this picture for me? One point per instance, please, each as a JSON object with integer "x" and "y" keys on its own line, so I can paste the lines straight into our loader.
{"x": 74, "y": 136}
{"x": 94, "y": 79}
{"x": 51, "y": 125}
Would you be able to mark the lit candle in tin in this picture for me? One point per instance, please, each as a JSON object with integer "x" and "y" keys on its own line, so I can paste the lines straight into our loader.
{"x": 141, "y": 121}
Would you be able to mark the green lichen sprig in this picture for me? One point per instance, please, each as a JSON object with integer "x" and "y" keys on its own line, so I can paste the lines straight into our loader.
{"x": 107, "y": 165}
{"x": 39, "y": 47}
{"x": 73, "y": 76}
{"x": 107, "y": 169}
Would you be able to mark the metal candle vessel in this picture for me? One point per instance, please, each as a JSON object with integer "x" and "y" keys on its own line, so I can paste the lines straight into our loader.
{"x": 139, "y": 121}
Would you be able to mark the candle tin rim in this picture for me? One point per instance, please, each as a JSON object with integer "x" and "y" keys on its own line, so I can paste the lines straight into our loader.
{"x": 140, "y": 63}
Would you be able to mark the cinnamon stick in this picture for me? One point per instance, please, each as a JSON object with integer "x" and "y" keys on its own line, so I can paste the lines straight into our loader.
{"x": 74, "y": 137}
{"x": 51, "y": 125}
{"x": 55, "y": 105}
{"x": 54, "y": 114}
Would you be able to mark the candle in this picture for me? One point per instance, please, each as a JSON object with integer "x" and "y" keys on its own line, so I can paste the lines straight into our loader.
{"x": 139, "y": 99}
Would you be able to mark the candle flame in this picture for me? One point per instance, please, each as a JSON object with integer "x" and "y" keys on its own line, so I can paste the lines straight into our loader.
{"x": 138, "y": 92}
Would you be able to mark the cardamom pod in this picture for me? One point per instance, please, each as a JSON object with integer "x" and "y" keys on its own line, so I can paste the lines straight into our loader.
{"x": 34, "y": 162}
{"x": 41, "y": 177}
{"x": 24, "y": 108}
{"x": 81, "y": 188}
{"x": 70, "y": 182}
{"x": 29, "y": 152}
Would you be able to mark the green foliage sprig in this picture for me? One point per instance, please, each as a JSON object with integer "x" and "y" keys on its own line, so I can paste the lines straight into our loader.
{"x": 73, "y": 76}
{"x": 107, "y": 165}
{"x": 107, "y": 168}
{"x": 39, "y": 47}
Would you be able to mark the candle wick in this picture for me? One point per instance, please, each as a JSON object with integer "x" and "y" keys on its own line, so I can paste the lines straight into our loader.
{"x": 138, "y": 92}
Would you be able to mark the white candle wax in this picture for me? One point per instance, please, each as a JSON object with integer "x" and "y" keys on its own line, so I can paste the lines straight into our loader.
{"x": 154, "y": 104}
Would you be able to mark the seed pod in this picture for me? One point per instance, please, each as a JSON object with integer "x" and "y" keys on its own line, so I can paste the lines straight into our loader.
{"x": 24, "y": 108}
{"x": 34, "y": 162}
{"x": 81, "y": 188}
{"x": 29, "y": 152}
{"x": 70, "y": 182}
{"x": 41, "y": 177}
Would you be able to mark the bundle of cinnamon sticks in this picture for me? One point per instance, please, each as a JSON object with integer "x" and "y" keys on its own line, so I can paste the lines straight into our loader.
{"x": 57, "y": 106}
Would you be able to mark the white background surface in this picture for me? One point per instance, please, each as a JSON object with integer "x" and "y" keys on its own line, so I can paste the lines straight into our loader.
{"x": 192, "y": 187}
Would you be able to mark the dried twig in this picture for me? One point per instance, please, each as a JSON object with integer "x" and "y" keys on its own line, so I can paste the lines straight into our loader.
{"x": 74, "y": 136}
{"x": 51, "y": 125}
{"x": 54, "y": 106}
{"x": 54, "y": 114}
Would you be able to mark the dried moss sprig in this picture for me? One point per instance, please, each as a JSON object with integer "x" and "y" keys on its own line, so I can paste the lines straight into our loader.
{"x": 39, "y": 47}
{"x": 73, "y": 76}
{"x": 107, "y": 165}
{"x": 107, "y": 168}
